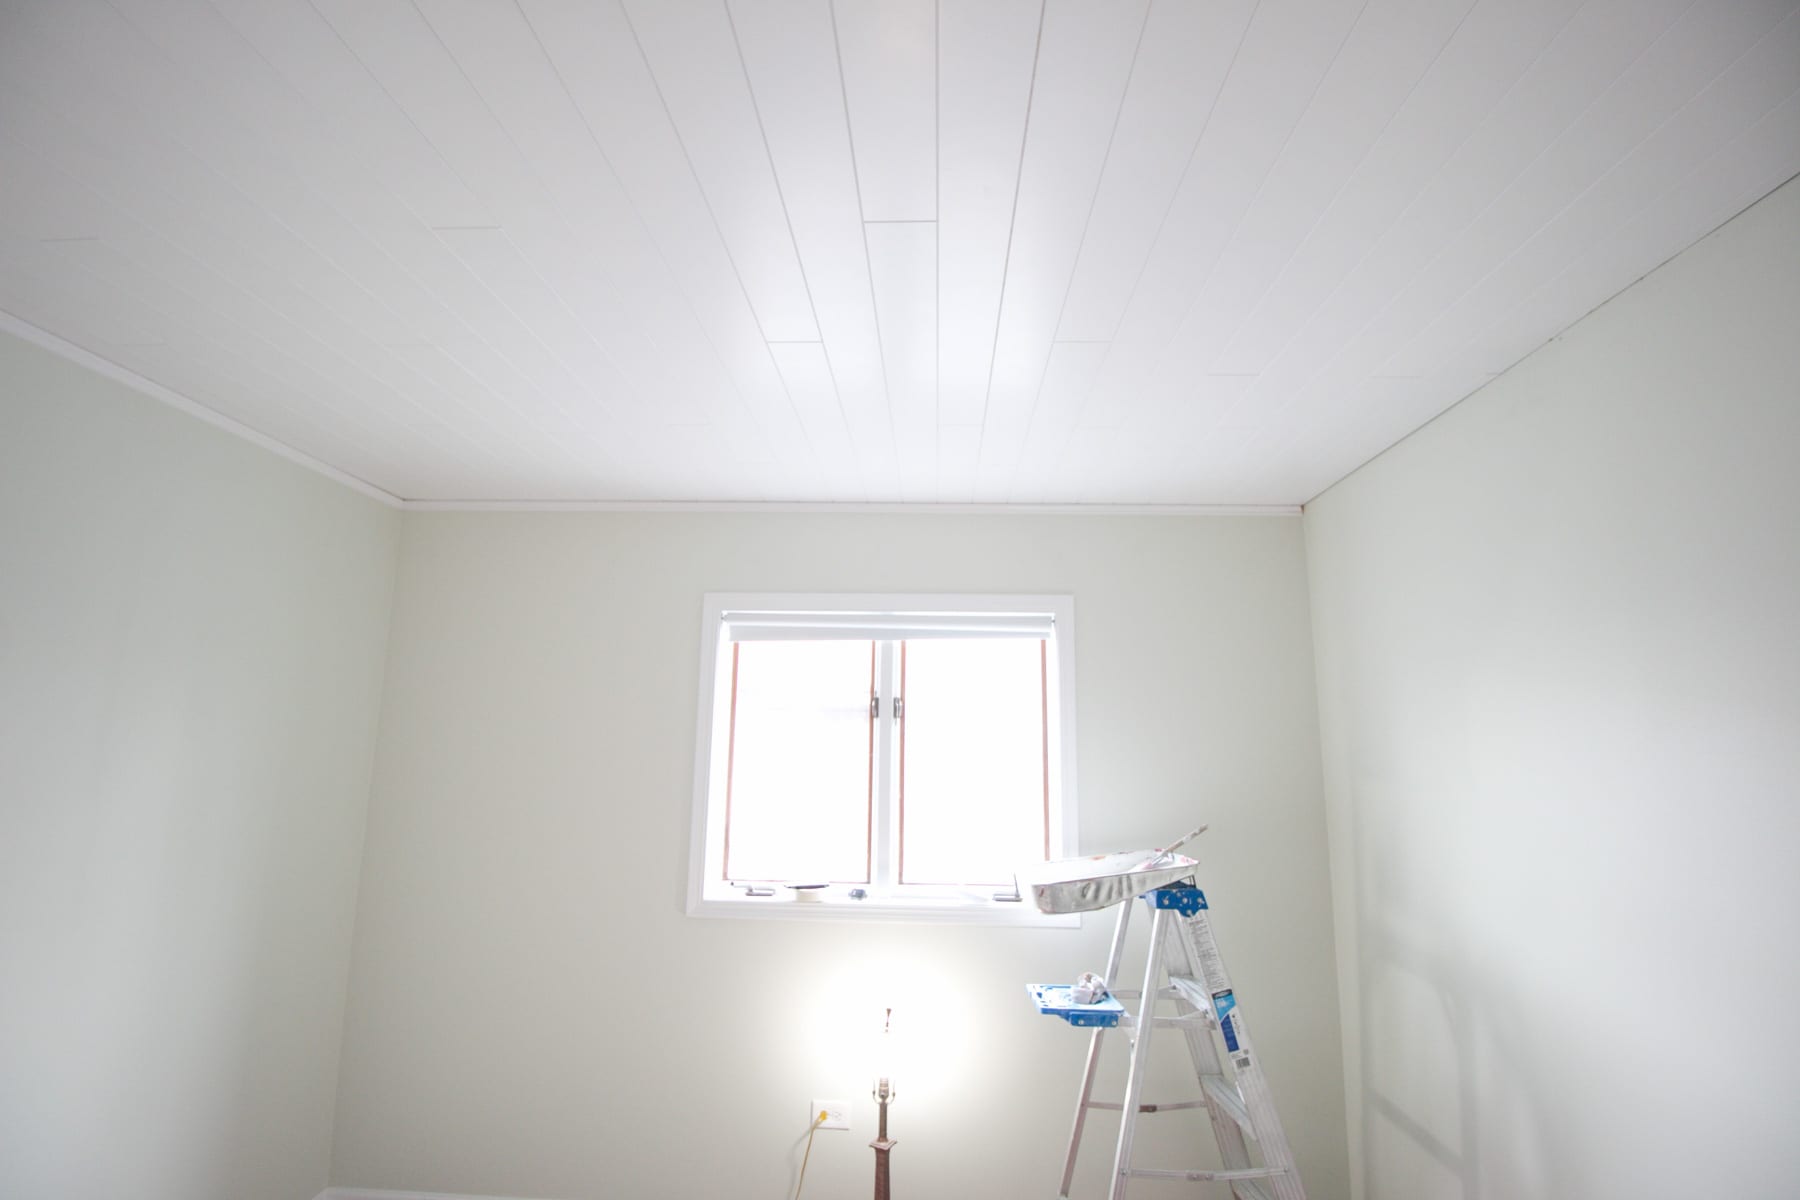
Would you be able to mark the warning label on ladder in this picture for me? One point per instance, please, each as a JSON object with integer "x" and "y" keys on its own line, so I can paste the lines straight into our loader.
{"x": 1223, "y": 1003}
{"x": 1212, "y": 967}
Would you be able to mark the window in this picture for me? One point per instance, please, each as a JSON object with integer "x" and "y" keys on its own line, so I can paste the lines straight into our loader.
{"x": 876, "y": 756}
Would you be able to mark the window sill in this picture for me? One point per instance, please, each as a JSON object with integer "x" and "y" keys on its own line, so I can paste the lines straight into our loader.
{"x": 836, "y": 904}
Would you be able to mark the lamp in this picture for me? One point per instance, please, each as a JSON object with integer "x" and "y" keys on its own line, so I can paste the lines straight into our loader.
{"x": 883, "y": 1092}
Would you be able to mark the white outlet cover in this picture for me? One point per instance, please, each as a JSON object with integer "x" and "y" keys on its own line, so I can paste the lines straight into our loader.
{"x": 837, "y": 1114}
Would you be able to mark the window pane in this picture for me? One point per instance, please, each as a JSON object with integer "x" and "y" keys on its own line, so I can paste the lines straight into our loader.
{"x": 972, "y": 760}
{"x": 798, "y": 804}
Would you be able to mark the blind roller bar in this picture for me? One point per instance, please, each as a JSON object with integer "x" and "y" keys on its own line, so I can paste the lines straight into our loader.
{"x": 848, "y": 626}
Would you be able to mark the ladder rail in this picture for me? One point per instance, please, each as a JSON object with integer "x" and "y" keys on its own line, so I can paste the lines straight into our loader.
{"x": 1228, "y": 1120}
{"x": 1082, "y": 1104}
{"x": 1140, "y": 1057}
{"x": 1196, "y": 934}
{"x": 1184, "y": 966}
{"x": 1114, "y": 958}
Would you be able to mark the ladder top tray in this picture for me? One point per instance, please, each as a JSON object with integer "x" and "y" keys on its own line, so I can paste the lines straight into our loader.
{"x": 1054, "y": 1000}
{"x": 1073, "y": 885}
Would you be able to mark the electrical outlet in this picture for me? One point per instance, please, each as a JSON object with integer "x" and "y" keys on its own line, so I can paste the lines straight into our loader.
{"x": 837, "y": 1114}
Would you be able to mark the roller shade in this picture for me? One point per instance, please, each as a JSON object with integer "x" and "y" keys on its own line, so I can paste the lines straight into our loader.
{"x": 855, "y": 626}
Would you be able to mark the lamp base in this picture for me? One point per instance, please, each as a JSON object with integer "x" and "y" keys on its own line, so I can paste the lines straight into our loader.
{"x": 881, "y": 1147}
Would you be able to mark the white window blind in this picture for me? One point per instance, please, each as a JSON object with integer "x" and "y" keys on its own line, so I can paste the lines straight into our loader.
{"x": 745, "y": 626}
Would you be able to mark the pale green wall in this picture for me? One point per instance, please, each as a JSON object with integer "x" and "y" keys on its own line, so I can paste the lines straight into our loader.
{"x": 1559, "y": 676}
{"x": 192, "y": 635}
{"x": 533, "y": 1014}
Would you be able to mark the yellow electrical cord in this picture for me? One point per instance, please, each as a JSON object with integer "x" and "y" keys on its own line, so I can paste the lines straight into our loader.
{"x": 817, "y": 1121}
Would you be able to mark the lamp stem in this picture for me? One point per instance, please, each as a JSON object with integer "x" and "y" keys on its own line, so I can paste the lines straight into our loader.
{"x": 882, "y": 1144}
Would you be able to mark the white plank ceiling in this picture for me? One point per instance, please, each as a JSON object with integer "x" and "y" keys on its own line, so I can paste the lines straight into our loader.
{"x": 1124, "y": 252}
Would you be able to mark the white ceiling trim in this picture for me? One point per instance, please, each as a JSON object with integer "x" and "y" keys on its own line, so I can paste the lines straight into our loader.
{"x": 898, "y": 509}
{"x": 105, "y": 367}
{"x": 46, "y": 340}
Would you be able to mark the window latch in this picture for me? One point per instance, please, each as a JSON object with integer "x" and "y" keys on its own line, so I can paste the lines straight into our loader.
{"x": 875, "y": 707}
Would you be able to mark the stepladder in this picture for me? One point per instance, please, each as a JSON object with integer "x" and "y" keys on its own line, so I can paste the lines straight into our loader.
{"x": 1184, "y": 972}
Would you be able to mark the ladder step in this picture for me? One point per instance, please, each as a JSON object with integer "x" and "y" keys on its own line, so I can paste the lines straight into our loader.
{"x": 1166, "y": 993}
{"x": 1129, "y": 1021}
{"x": 1193, "y": 991}
{"x": 1184, "y": 967}
{"x": 1239, "y": 1176}
{"x": 1225, "y": 1095}
{"x": 1198, "y": 1018}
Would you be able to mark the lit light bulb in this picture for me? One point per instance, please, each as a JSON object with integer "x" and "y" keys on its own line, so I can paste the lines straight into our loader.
{"x": 883, "y": 1059}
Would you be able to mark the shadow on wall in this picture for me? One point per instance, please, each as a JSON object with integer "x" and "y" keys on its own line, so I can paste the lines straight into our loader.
{"x": 1453, "y": 1073}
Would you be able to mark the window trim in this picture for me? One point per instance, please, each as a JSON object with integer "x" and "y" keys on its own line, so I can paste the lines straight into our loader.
{"x": 887, "y": 612}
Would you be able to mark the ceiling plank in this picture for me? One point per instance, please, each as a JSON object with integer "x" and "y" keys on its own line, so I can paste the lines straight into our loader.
{"x": 1084, "y": 63}
{"x": 579, "y": 231}
{"x": 700, "y": 77}
{"x": 347, "y": 100}
{"x": 1327, "y": 349}
{"x": 596, "y": 57}
{"x": 1067, "y": 379}
{"x": 792, "y": 65}
{"x": 987, "y": 56}
{"x": 1485, "y": 59}
{"x": 1286, "y": 52}
{"x": 1186, "y": 57}
{"x": 903, "y": 271}
{"x": 1749, "y": 82}
{"x": 807, "y": 374}
{"x": 889, "y": 55}
{"x": 1388, "y": 53}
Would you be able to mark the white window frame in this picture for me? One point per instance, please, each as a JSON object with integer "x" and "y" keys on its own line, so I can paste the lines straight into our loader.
{"x": 880, "y": 615}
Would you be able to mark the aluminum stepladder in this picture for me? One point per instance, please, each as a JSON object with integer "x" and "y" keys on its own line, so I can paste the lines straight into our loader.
{"x": 1183, "y": 951}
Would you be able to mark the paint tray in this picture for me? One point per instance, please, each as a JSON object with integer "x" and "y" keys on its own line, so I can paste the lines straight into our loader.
{"x": 1054, "y": 1000}
{"x": 1073, "y": 885}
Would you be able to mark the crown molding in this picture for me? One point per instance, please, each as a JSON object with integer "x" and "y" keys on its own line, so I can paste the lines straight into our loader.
{"x": 69, "y": 351}
{"x": 814, "y": 507}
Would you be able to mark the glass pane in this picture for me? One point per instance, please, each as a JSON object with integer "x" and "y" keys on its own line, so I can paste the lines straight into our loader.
{"x": 972, "y": 759}
{"x": 799, "y": 799}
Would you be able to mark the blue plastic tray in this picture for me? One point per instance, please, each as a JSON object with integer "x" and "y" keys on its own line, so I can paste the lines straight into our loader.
{"x": 1055, "y": 1000}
